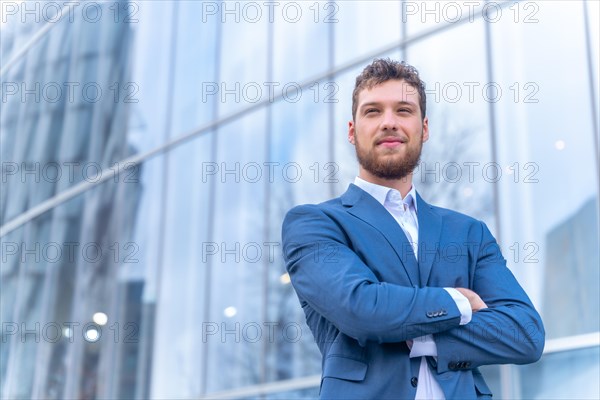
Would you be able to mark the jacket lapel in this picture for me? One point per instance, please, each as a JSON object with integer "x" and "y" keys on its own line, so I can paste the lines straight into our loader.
{"x": 430, "y": 229}
{"x": 365, "y": 207}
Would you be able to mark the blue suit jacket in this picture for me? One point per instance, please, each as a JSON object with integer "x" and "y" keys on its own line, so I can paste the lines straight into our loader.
{"x": 364, "y": 294}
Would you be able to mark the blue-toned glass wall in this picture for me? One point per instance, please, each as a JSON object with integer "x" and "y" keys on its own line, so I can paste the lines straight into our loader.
{"x": 55, "y": 137}
{"x": 550, "y": 206}
{"x": 199, "y": 302}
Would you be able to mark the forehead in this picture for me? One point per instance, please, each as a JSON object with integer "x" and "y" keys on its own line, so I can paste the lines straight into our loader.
{"x": 389, "y": 91}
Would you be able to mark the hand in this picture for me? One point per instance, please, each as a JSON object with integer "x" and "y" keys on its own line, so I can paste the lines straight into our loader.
{"x": 474, "y": 299}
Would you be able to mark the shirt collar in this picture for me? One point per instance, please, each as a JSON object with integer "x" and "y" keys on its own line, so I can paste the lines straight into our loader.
{"x": 381, "y": 193}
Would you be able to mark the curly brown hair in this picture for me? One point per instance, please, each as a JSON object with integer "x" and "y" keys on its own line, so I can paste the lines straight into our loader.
{"x": 382, "y": 70}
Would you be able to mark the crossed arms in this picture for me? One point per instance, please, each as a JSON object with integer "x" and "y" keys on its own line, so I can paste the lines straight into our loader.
{"x": 505, "y": 328}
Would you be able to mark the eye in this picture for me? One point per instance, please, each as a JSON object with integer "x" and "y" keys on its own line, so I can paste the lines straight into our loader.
{"x": 405, "y": 110}
{"x": 371, "y": 110}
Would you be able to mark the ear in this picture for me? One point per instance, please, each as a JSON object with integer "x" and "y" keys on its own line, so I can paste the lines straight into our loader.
{"x": 425, "y": 129}
{"x": 351, "y": 132}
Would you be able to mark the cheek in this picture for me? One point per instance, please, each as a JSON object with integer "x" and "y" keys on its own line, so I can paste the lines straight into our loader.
{"x": 416, "y": 131}
{"x": 365, "y": 131}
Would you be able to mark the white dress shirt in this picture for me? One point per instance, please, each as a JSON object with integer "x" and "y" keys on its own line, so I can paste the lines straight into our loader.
{"x": 404, "y": 211}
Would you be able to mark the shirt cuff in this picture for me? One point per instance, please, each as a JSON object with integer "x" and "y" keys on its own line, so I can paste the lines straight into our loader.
{"x": 423, "y": 346}
{"x": 463, "y": 305}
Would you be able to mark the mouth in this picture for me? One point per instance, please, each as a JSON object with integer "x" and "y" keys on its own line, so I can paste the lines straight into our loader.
{"x": 391, "y": 141}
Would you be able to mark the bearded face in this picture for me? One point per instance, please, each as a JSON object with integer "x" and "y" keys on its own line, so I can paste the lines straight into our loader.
{"x": 388, "y": 131}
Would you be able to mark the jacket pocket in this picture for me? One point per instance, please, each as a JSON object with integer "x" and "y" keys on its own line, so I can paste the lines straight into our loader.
{"x": 344, "y": 368}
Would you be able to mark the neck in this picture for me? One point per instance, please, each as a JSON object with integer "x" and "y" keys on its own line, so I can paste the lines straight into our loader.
{"x": 403, "y": 185}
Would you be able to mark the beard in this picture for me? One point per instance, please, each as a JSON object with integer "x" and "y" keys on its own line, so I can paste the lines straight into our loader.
{"x": 389, "y": 167}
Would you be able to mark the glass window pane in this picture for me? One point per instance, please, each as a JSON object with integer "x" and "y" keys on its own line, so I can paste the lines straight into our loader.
{"x": 564, "y": 375}
{"x": 549, "y": 194}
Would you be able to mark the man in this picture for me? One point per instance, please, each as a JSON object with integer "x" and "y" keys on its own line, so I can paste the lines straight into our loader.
{"x": 405, "y": 299}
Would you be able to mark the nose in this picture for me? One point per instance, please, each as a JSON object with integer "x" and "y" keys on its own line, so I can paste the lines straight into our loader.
{"x": 389, "y": 121}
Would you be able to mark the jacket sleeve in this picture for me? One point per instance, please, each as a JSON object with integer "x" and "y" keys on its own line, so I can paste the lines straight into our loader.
{"x": 510, "y": 330}
{"x": 338, "y": 285}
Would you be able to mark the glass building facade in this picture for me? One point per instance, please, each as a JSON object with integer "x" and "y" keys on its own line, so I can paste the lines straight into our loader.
{"x": 150, "y": 150}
